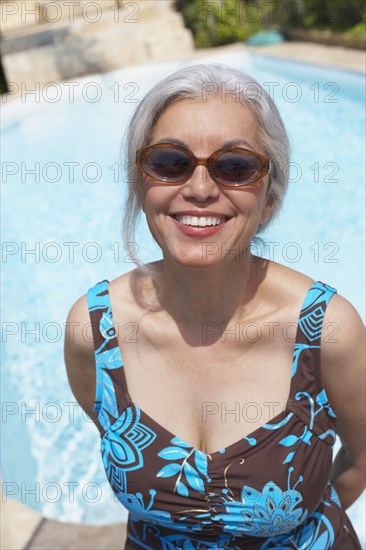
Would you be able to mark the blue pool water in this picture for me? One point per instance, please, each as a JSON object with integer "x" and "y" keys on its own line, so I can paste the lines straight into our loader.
{"x": 61, "y": 234}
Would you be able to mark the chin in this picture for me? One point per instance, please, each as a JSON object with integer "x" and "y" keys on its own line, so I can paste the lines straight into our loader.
{"x": 203, "y": 258}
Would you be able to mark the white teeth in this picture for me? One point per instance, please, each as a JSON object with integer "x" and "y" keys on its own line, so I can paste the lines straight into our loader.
{"x": 200, "y": 222}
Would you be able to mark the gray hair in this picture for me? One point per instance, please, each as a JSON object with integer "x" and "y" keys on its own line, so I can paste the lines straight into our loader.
{"x": 198, "y": 82}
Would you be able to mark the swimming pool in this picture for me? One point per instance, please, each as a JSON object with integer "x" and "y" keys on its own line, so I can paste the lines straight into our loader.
{"x": 62, "y": 210}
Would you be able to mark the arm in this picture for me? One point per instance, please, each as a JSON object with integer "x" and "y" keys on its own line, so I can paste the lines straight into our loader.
{"x": 79, "y": 357}
{"x": 343, "y": 376}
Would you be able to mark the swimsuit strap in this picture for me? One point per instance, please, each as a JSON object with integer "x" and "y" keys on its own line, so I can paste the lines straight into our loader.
{"x": 313, "y": 310}
{"x": 111, "y": 396}
{"x": 306, "y": 388}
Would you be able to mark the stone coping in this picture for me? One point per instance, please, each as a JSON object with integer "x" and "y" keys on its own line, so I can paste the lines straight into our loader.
{"x": 337, "y": 57}
{"x": 18, "y": 523}
{"x": 77, "y": 537}
{"x": 24, "y": 529}
{"x": 326, "y": 37}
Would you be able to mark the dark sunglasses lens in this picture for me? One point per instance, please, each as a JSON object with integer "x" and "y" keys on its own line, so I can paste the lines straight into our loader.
{"x": 232, "y": 168}
{"x": 168, "y": 164}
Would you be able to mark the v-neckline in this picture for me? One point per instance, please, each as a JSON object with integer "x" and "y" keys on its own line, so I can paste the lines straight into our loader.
{"x": 167, "y": 434}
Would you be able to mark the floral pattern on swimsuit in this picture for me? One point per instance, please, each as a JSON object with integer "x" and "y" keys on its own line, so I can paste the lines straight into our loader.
{"x": 268, "y": 490}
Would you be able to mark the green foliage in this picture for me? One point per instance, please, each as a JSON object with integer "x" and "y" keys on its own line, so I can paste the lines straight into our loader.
{"x": 219, "y": 22}
{"x": 3, "y": 85}
{"x": 359, "y": 30}
{"x": 336, "y": 15}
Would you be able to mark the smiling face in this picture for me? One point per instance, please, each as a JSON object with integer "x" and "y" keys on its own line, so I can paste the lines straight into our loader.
{"x": 170, "y": 209}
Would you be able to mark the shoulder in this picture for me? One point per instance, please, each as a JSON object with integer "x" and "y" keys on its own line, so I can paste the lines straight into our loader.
{"x": 343, "y": 335}
{"x": 343, "y": 329}
{"x": 286, "y": 277}
{"x": 77, "y": 322}
{"x": 343, "y": 359}
{"x": 79, "y": 316}
{"x": 78, "y": 334}
{"x": 134, "y": 292}
{"x": 79, "y": 355}
{"x": 343, "y": 370}
{"x": 120, "y": 286}
{"x": 79, "y": 343}
{"x": 287, "y": 287}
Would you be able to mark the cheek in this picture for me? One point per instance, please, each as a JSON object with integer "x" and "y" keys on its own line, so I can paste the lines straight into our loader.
{"x": 156, "y": 198}
{"x": 262, "y": 194}
{"x": 252, "y": 204}
{"x": 148, "y": 199}
{"x": 248, "y": 201}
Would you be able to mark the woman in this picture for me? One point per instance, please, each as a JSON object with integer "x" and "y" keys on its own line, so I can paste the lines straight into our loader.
{"x": 218, "y": 424}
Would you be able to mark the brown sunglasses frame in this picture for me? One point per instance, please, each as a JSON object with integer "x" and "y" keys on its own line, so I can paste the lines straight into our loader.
{"x": 142, "y": 155}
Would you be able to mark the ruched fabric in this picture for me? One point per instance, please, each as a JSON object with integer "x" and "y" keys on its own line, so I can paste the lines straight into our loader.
{"x": 267, "y": 490}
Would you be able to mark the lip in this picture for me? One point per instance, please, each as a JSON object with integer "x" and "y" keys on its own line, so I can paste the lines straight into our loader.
{"x": 196, "y": 231}
{"x": 199, "y": 214}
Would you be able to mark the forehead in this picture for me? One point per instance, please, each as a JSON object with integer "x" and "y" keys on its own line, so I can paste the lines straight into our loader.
{"x": 214, "y": 120}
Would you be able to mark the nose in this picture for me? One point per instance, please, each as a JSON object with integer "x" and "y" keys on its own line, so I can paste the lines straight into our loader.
{"x": 201, "y": 186}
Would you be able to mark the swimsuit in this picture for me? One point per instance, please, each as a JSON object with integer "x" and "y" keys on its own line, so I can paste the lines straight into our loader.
{"x": 268, "y": 490}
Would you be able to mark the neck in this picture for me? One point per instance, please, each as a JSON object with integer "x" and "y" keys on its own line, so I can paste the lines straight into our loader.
{"x": 217, "y": 294}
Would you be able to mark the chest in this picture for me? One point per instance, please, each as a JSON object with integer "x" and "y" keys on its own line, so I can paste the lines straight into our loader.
{"x": 210, "y": 394}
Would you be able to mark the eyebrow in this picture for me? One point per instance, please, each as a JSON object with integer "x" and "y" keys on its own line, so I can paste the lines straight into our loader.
{"x": 229, "y": 143}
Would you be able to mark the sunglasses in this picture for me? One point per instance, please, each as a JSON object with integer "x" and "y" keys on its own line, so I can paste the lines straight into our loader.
{"x": 231, "y": 166}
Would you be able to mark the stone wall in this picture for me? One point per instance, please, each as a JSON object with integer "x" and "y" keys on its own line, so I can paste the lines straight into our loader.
{"x": 53, "y": 41}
